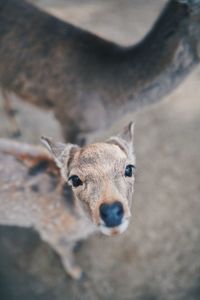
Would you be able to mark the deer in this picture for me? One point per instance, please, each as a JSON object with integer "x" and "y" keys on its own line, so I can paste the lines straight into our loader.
{"x": 92, "y": 190}
{"x": 89, "y": 81}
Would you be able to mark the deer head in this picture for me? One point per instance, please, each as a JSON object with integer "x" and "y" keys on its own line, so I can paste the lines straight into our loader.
{"x": 101, "y": 176}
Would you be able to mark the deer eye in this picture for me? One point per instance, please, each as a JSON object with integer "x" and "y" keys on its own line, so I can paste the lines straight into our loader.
{"x": 129, "y": 170}
{"x": 75, "y": 180}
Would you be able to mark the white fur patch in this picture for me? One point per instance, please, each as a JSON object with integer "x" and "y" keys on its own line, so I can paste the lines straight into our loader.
{"x": 114, "y": 230}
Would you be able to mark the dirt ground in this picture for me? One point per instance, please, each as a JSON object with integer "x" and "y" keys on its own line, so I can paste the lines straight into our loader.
{"x": 159, "y": 255}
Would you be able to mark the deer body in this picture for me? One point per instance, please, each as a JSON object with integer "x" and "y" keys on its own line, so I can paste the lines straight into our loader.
{"x": 86, "y": 80}
{"x": 61, "y": 214}
{"x": 48, "y": 212}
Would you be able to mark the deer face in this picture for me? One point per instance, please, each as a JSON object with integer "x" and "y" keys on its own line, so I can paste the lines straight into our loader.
{"x": 101, "y": 176}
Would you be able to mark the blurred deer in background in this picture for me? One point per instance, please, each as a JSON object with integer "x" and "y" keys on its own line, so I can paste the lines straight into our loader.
{"x": 87, "y": 81}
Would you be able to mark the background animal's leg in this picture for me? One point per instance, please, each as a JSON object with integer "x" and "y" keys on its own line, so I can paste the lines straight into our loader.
{"x": 11, "y": 112}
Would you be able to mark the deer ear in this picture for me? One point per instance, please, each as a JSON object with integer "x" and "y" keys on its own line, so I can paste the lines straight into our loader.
{"x": 125, "y": 138}
{"x": 60, "y": 151}
{"x": 127, "y": 134}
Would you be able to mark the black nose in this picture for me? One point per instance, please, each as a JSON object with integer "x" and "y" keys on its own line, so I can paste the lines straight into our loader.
{"x": 112, "y": 213}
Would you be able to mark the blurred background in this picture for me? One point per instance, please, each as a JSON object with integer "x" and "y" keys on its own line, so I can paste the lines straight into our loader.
{"x": 159, "y": 255}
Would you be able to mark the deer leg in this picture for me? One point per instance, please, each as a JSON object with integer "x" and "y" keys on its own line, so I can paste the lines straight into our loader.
{"x": 10, "y": 112}
{"x": 70, "y": 265}
{"x": 66, "y": 254}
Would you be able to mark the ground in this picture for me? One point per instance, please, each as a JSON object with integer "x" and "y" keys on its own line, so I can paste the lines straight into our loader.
{"x": 158, "y": 257}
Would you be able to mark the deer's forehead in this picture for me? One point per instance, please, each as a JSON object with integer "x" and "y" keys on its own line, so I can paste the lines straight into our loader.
{"x": 99, "y": 154}
{"x": 102, "y": 151}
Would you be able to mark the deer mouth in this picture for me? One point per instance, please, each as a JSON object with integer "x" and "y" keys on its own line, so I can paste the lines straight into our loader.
{"x": 112, "y": 231}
